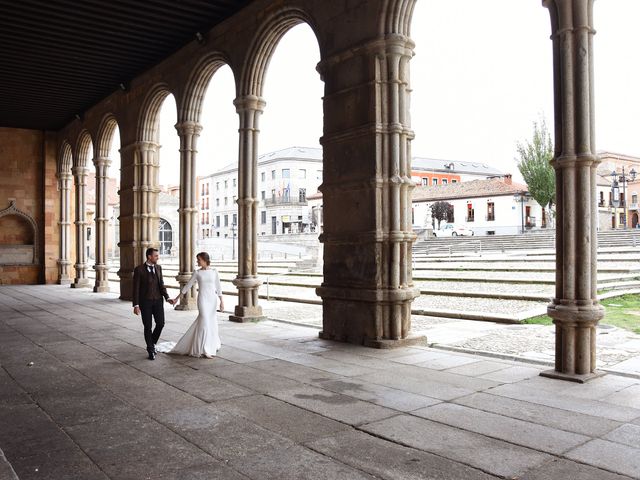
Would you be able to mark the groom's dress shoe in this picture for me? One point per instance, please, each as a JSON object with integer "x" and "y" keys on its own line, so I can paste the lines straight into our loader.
{"x": 152, "y": 356}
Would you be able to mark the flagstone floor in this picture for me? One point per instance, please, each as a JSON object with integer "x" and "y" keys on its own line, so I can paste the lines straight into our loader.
{"x": 79, "y": 400}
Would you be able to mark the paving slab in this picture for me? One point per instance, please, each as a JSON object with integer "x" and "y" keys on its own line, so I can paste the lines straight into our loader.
{"x": 566, "y": 469}
{"x": 289, "y": 421}
{"x": 489, "y": 455}
{"x": 541, "y": 414}
{"x": 628, "y": 397}
{"x": 6, "y": 470}
{"x": 343, "y": 408}
{"x": 519, "y": 432}
{"x": 477, "y": 368}
{"x": 256, "y": 380}
{"x": 627, "y": 434}
{"x": 391, "y": 461}
{"x": 611, "y": 456}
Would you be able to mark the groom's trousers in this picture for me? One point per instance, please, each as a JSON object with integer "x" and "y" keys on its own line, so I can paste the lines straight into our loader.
{"x": 152, "y": 309}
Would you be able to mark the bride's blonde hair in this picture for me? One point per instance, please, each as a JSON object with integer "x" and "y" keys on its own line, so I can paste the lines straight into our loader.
{"x": 204, "y": 256}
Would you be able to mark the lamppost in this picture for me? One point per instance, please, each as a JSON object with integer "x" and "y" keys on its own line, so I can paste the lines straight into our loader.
{"x": 615, "y": 189}
{"x": 522, "y": 197}
{"x": 233, "y": 240}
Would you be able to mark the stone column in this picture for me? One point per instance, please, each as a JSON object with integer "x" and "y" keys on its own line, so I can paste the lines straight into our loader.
{"x": 575, "y": 309}
{"x": 189, "y": 133}
{"x": 64, "y": 187}
{"x": 101, "y": 268}
{"x": 80, "y": 178}
{"x": 368, "y": 286}
{"x": 249, "y": 109}
{"x": 138, "y": 209}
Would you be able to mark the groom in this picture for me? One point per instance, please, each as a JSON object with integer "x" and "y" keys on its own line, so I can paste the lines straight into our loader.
{"x": 149, "y": 294}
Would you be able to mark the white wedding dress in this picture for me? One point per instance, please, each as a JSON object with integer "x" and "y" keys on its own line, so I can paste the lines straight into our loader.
{"x": 202, "y": 337}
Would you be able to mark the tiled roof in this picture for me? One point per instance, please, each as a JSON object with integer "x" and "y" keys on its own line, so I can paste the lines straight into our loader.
{"x": 453, "y": 166}
{"x": 493, "y": 187}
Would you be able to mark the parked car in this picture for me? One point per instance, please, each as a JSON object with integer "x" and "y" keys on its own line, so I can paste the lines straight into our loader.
{"x": 451, "y": 230}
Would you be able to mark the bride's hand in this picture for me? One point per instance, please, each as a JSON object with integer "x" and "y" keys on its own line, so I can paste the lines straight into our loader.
{"x": 221, "y": 305}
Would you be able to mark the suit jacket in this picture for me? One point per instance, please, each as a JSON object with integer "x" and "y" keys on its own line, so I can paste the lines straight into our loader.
{"x": 141, "y": 278}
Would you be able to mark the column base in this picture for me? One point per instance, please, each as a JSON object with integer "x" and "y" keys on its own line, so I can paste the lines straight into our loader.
{"x": 191, "y": 304}
{"x": 247, "y": 315}
{"x": 64, "y": 281}
{"x": 101, "y": 289}
{"x": 83, "y": 283}
{"x": 382, "y": 343}
{"x": 572, "y": 377}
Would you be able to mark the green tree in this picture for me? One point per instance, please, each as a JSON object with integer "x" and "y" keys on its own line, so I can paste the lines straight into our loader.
{"x": 441, "y": 211}
{"x": 534, "y": 163}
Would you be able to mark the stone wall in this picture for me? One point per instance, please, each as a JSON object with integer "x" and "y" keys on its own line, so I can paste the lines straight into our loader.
{"x": 27, "y": 163}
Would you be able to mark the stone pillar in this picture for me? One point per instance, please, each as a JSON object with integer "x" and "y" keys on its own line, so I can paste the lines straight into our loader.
{"x": 64, "y": 187}
{"x": 138, "y": 209}
{"x": 368, "y": 286}
{"x": 249, "y": 109}
{"x": 101, "y": 268}
{"x": 80, "y": 178}
{"x": 189, "y": 133}
{"x": 575, "y": 309}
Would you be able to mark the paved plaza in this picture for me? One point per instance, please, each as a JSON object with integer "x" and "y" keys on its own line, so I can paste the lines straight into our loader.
{"x": 81, "y": 401}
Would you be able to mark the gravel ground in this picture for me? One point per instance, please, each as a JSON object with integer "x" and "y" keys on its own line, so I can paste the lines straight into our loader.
{"x": 484, "y": 287}
{"x": 529, "y": 266}
{"x": 484, "y": 305}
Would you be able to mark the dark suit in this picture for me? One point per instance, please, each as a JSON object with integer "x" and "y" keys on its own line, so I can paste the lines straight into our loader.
{"x": 149, "y": 293}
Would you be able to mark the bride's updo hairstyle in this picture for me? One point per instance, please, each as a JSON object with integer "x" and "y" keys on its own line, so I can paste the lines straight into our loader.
{"x": 204, "y": 256}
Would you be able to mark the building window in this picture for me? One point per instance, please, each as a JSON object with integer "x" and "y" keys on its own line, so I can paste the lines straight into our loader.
{"x": 226, "y": 201}
{"x": 226, "y": 220}
{"x": 425, "y": 181}
{"x": 273, "y": 194}
{"x": 202, "y": 219}
{"x": 234, "y": 182}
{"x": 166, "y": 237}
{"x": 470, "y": 212}
{"x": 634, "y": 198}
{"x": 234, "y": 199}
{"x": 226, "y": 184}
{"x": 217, "y": 202}
{"x": 454, "y": 181}
{"x": 273, "y": 174}
{"x": 601, "y": 201}
{"x": 235, "y": 219}
{"x": 491, "y": 211}
{"x": 302, "y": 195}
{"x": 217, "y": 185}
{"x": 207, "y": 184}
{"x": 263, "y": 176}
{"x": 263, "y": 195}
{"x": 286, "y": 173}
{"x": 202, "y": 204}
{"x": 263, "y": 217}
{"x": 434, "y": 181}
{"x": 302, "y": 173}
{"x": 444, "y": 181}
{"x": 218, "y": 221}
{"x": 202, "y": 191}
{"x": 207, "y": 203}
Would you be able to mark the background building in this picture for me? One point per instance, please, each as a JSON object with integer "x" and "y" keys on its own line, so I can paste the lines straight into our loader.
{"x": 285, "y": 178}
{"x": 611, "y": 216}
{"x": 432, "y": 171}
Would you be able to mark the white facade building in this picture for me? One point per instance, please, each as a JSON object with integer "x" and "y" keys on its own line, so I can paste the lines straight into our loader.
{"x": 611, "y": 215}
{"x": 285, "y": 178}
{"x": 488, "y": 207}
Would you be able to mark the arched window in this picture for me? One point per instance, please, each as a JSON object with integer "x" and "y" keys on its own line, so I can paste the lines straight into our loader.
{"x": 166, "y": 237}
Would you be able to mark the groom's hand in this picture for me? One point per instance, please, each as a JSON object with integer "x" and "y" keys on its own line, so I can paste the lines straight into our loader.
{"x": 136, "y": 310}
{"x": 171, "y": 301}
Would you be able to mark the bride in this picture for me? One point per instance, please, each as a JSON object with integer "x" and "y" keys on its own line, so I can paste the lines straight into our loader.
{"x": 202, "y": 338}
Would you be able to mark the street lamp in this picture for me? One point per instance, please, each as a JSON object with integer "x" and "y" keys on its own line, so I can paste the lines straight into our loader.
{"x": 522, "y": 197}
{"x": 615, "y": 189}
{"x": 233, "y": 240}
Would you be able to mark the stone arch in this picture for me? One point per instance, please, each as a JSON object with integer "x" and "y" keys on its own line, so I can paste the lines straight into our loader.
{"x": 12, "y": 210}
{"x": 148, "y": 121}
{"x": 81, "y": 153}
{"x": 105, "y": 133}
{"x": 190, "y": 108}
{"x": 65, "y": 159}
{"x": 396, "y": 17}
{"x": 264, "y": 44}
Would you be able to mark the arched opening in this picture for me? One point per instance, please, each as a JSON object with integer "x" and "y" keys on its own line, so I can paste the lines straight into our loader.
{"x": 18, "y": 247}
{"x": 83, "y": 172}
{"x": 166, "y": 237}
{"x": 289, "y": 171}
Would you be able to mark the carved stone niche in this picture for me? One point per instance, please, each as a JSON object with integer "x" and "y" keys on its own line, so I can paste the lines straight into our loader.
{"x": 18, "y": 237}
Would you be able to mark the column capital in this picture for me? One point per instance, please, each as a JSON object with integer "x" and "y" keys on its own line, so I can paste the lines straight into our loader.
{"x": 188, "y": 128}
{"x": 101, "y": 162}
{"x": 249, "y": 103}
{"x": 141, "y": 145}
{"x": 79, "y": 171}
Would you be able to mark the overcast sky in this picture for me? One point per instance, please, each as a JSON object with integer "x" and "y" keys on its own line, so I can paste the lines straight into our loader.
{"x": 481, "y": 75}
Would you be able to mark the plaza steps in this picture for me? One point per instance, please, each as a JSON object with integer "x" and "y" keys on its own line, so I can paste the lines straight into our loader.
{"x": 525, "y": 242}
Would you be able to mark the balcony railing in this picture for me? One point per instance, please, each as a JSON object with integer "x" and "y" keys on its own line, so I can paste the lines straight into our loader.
{"x": 633, "y": 206}
{"x": 268, "y": 202}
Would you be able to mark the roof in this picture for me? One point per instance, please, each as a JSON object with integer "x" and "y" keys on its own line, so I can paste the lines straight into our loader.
{"x": 493, "y": 187}
{"x": 453, "y": 166}
{"x": 290, "y": 153}
{"x": 60, "y": 57}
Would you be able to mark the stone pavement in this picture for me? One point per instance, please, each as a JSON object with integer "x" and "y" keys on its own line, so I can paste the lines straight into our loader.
{"x": 79, "y": 400}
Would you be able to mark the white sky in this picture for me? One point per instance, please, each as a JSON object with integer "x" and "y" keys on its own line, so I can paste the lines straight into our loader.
{"x": 481, "y": 75}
